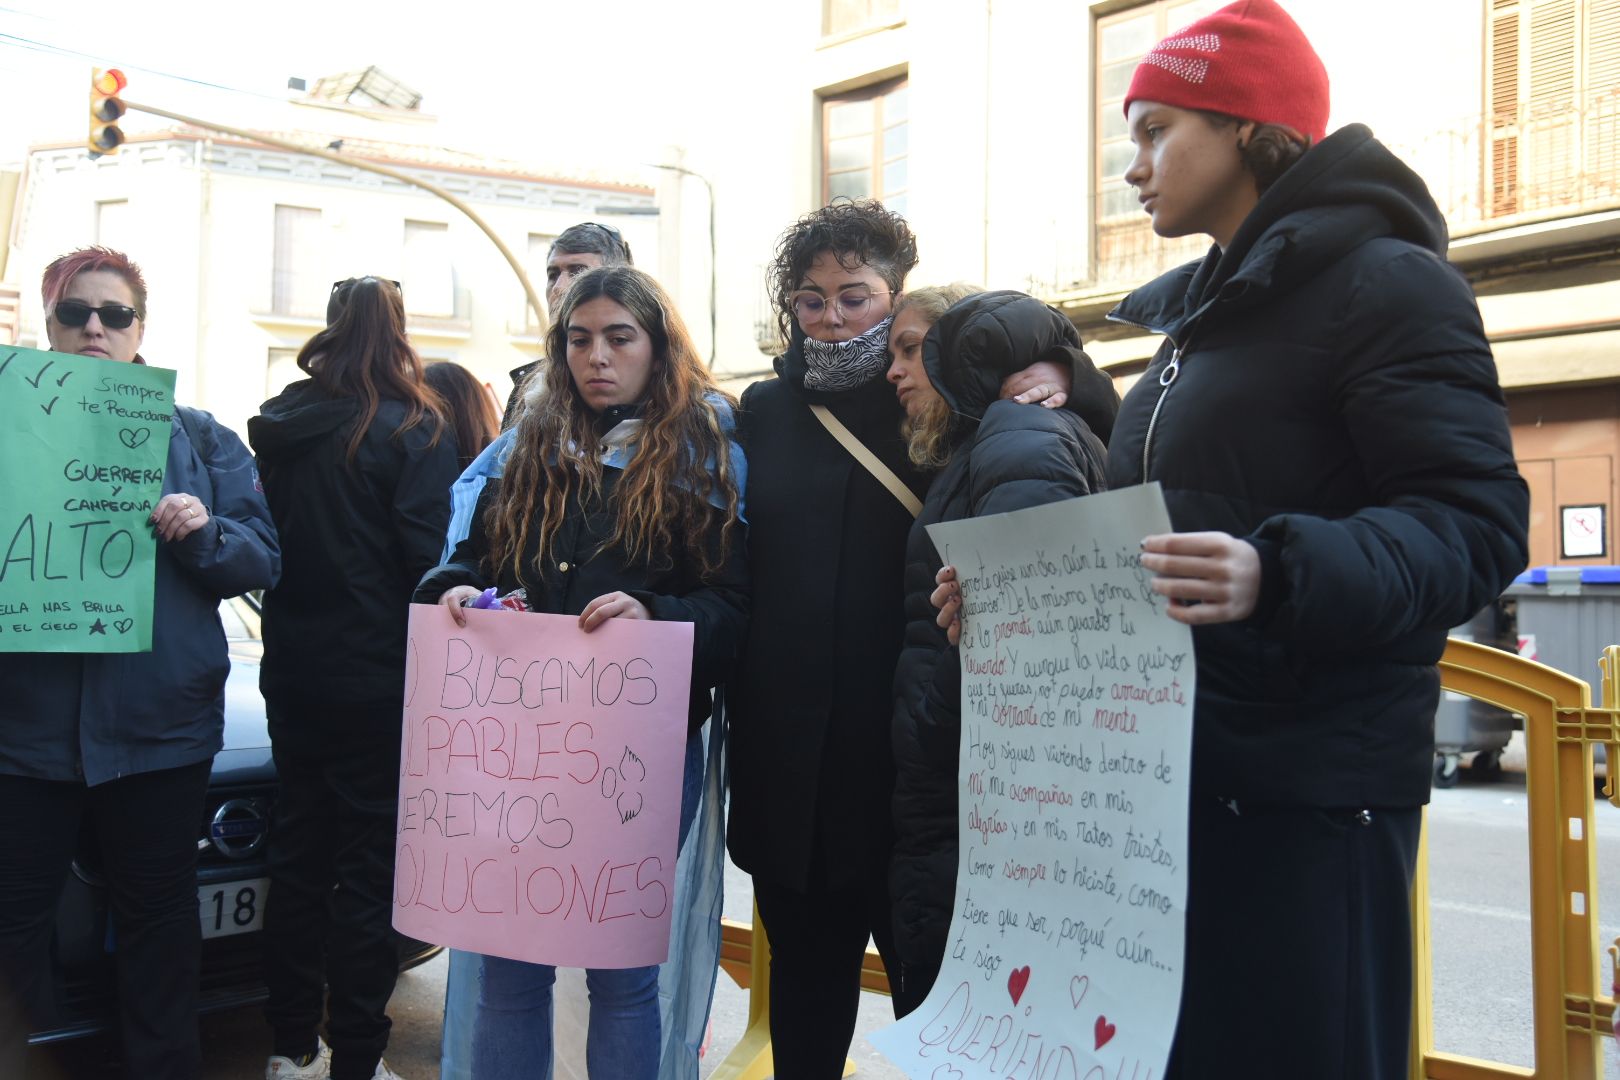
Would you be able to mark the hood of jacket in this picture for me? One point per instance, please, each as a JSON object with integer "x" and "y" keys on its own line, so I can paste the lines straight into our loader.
{"x": 301, "y": 416}
{"x": 988, "y": 336}
{"x": 1347, "y": 190}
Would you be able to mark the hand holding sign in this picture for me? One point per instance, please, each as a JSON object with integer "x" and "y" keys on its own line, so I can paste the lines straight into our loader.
{"x": 177, "y": 516}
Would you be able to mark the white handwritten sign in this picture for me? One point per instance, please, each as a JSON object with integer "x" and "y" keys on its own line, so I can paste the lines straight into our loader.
{"x": 1067, "y": 932}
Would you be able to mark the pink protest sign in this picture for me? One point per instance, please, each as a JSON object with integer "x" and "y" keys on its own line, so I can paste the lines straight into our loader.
{"x": 540, "y": 786}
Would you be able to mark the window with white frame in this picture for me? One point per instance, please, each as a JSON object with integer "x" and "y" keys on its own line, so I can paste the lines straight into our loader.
{"x": 299, "y": 281}
{"x": 112, "y": 224}
{"x": 847, "y": 16}
{"x": 427, "y": 275}
{"x": 534, "y": 264}
{"x": 1128, "y": 251}
{"x": 280, "y": 371}
{"x": 865, "y": 142}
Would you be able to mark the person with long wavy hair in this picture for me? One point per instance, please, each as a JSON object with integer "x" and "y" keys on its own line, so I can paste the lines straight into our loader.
{"x": 622, "y": 498}
{"x": 469, "y": 407}
{"x": 357, "y": 464}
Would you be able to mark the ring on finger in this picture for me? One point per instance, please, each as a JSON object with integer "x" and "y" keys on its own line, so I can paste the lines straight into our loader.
{"x": 190, "y": 513}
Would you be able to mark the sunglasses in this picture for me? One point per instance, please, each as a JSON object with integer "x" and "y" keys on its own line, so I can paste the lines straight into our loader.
{"x": 77, "y": 313}
{"x": 336, "y": 285}
{"x": 610, "y": 230}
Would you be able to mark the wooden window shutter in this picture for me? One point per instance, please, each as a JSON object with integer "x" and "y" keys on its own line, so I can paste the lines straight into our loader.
{"x": 1503, "y": 122}
{"x": 1552, "y": 148}
{"x": 1601, "y": 107}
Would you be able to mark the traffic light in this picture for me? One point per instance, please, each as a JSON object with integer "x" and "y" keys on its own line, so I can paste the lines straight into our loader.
{"x": 106, "y": 108}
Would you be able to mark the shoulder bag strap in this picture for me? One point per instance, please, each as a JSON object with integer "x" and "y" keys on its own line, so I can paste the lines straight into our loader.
{"x": 869, "y": 461}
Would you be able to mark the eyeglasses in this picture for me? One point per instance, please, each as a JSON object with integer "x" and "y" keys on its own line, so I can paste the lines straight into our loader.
{"x": 77, "y": 313}
{"x": 811, "y": 307}
{"x": 336, "y": 285}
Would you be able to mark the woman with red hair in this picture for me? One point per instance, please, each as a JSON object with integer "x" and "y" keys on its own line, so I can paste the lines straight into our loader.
{"x": 122, "y": 744}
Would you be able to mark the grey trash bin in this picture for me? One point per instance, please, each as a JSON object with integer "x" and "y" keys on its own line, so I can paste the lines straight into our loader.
{"x": 1463, "y": 725}
{"x": 1572, "y": 613}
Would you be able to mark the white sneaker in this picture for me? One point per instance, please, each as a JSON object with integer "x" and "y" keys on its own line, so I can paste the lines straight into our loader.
{"x": 385, "y": 1073}
{"x": 282, "y": 1068}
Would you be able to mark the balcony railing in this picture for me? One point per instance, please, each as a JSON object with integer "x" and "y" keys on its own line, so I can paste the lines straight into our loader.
{"x": 1559, "y": 158}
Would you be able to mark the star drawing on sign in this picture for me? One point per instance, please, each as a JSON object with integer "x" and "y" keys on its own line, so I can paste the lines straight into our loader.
{"x": 98, "y": 627}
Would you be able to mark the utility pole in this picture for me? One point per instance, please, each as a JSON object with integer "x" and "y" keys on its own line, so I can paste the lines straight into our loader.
{"x": 714, "y": 322}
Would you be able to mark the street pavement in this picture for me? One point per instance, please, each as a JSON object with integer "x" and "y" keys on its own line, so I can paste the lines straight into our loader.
{"x": 1479, "y": 884}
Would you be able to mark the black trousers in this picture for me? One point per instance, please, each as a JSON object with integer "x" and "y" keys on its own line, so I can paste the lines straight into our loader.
{"x": 147, "y": 826}
{"x": 818, "y": 943}
{"x": 1299, "y": 944}
{"x": 327, "y": 922}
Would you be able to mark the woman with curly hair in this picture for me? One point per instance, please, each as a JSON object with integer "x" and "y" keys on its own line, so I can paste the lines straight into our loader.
{"x": 622, "y": 498}
{"x": 831, "y": 498}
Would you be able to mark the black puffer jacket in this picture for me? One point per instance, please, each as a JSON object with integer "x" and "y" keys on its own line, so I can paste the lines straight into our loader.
{"x": 1334, "y": 401}
{"x": 1008, "y": 457}
{"x": 355, "y": 539}
{"x": 578, "y": 569}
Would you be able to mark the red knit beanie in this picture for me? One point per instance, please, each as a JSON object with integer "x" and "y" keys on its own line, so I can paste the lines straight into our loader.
{"x": 1248, "y": 60}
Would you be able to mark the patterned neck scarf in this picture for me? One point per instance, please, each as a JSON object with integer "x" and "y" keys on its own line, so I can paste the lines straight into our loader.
{"x": 844, "y": 365}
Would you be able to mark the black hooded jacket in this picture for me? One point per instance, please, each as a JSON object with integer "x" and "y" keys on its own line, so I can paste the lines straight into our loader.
{"x": 1007, "y": 457}
{"x": 355, "y": 540}
{"x": 1332, "y": 399}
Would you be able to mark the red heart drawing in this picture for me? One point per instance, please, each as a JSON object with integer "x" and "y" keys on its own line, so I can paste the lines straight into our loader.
{"x": 1103, "y": 1031}
{"x": 1017, "y": 979}
{"x": 1078, "y": 986}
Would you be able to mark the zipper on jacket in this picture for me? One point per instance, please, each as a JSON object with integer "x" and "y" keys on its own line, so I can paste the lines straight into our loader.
{"x": 1172, "y": 370}
{"x": 1167, "y": 378}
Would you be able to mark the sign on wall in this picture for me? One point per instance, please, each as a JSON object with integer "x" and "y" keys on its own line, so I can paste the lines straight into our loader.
{"x": 1582, "y": 531}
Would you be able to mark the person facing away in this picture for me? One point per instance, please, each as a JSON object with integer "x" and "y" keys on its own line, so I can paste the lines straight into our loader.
{"x": 357, "y": 462}
{"x": 469, "y": 408}
{"x": 951, "y": 349}
{"x": 809, "y": 712}
{"x": 121, "y": 744}
{"x": 1325, "y": 419}
{"x": 622, "y": 498}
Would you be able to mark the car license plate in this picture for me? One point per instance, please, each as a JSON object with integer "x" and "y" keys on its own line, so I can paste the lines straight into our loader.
{"x": 232, "y": 907}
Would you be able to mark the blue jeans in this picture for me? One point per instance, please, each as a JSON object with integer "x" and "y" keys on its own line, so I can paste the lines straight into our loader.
{"x": 512, "y": 1032}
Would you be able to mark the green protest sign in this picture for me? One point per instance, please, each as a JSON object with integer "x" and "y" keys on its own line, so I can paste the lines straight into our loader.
{"x": 83, "y": 443}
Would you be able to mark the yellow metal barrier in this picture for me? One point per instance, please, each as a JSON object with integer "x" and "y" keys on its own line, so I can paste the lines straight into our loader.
{"x": 1571, "y": 1015}
{"x": 1561, "y": 725}
{"x": 745, "y": 955}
